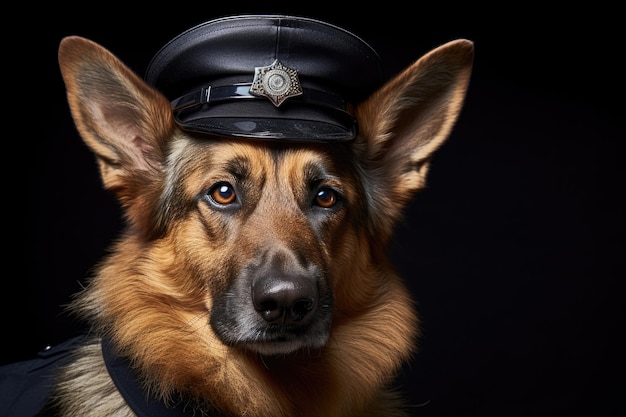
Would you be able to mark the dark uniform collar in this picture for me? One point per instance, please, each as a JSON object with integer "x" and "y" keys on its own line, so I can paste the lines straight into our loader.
{"x": 128, "y": 385}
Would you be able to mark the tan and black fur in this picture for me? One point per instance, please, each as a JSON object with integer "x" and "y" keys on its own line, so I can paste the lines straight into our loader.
{"x": 172, "y": 294}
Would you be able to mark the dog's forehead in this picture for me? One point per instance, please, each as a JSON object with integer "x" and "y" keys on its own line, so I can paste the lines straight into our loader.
{"x": 256, "y": 158}
{"x": 295, "y": 171}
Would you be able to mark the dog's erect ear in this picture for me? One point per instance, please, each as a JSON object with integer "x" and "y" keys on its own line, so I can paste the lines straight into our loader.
{"x": 405, "y": 121}
{"x": 121, "y": 119}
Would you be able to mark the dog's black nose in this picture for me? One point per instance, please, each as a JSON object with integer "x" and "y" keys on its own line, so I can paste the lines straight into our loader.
{"x": 284, "y": 299}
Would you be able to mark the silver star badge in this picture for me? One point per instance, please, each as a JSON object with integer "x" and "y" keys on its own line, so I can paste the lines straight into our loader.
{"x": 276, "y": 82}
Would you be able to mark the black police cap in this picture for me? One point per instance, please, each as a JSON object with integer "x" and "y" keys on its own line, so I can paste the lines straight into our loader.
{"x": 267, "y": 76}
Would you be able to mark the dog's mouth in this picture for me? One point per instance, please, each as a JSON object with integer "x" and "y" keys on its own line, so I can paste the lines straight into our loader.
{"x": 286, "y": 344}
{"x": 256, "y": 331}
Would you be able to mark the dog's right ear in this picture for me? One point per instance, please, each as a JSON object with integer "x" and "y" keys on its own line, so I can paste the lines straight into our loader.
{"x": 121, "y": 118}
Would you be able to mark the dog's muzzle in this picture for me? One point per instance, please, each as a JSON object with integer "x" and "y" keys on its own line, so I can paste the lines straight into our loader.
{"x": 275, "y": 309}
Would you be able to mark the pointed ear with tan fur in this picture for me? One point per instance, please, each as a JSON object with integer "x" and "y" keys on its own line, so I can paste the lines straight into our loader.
{"x": 122, "y": 120}
{"x": 405, "y": 121}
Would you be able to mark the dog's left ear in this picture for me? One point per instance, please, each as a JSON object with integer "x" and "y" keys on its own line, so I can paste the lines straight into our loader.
{"x": 406, "y": 120}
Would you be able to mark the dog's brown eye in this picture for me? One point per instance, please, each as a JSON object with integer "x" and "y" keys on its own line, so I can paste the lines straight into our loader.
{"x": 326, "y": 198}
{"x": 223, "y": 194}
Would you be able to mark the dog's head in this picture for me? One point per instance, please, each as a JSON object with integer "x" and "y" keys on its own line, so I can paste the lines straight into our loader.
{"x": 271, "y": 246}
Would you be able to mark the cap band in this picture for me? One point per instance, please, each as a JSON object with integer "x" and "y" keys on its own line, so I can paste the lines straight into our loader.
{"x": 210, "y": 94}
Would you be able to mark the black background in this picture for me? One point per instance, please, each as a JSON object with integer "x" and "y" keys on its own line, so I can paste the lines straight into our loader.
{"x": 514, "y": 251}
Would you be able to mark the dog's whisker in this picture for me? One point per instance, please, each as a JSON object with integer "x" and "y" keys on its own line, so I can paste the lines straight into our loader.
{"x": 190, "y": 324}
{"x": 262, "y": 359}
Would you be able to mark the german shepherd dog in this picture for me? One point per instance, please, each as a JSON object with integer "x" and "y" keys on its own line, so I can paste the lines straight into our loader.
{"x": 252, "y": 277}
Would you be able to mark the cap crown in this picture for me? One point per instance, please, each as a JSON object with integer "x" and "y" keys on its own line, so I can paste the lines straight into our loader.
{"x": 333, "y": 68}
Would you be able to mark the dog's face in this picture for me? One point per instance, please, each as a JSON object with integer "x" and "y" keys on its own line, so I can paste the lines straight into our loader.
{"x": 266, "y": 227}
{"x": 237, "y": 246}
